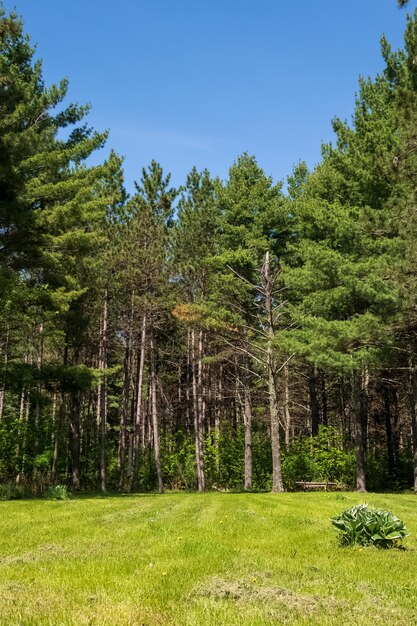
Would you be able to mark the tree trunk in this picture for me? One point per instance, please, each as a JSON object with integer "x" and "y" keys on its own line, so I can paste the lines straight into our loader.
{"x": 248, "y": 436}
{"x": 286, "y": 408}
{"x": 217, "y": 414}
{"x": 364, "y": 405}
{"x": 277, "y": 483}
{"x": 196, "y": 358}
{"x": 322, "y": 378}
{"x": 314, "y": 401}
{"x": 413, "y": 411}
{"x": 21, "y": 437}
{"x": 75, "y": 430}
{"x": 155, "y": 421}
{"x": 102, "y": 393}
{"x": 55, "y": 440}
{"x": 358, "y": 410}
{"x": 388, "y": 431}
{"x": 124, "y": 405}
{"x": 39, "y": 364}
{"x": 139, "y": 396}
{"x": 2, "y": 384}
{"x": 188, "y": 383}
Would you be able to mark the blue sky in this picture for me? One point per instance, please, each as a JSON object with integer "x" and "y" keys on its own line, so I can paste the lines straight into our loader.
{"x": 198, "y": 82}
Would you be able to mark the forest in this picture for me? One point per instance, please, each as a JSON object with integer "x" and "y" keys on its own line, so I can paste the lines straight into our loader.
{"x": 236, "y": 334}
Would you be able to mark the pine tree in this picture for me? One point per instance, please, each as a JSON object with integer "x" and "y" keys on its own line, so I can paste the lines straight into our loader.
{"x": 255, "y": 231}
{"x": 52, "y": 211}
{"x": 348, "y": 244}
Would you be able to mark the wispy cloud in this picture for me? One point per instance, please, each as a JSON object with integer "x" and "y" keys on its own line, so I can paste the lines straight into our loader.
{"x": 166, "y": 138}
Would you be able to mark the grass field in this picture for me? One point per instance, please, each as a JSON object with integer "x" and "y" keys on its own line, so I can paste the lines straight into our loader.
{"x": 213, "y": 559}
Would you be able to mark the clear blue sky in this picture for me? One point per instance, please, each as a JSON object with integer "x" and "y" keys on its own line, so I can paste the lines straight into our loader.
{"x": 197, "y": 82}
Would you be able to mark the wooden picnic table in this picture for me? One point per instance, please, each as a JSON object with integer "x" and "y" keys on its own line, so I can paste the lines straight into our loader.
{"x": 306, "y": 485}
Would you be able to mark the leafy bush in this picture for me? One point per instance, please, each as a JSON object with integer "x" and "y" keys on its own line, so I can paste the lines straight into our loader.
{"x": 366, "y": 526}
{"x": 43, "y": 461}
{"x": 57, "y": 492}
{"x": 178, "y": 463}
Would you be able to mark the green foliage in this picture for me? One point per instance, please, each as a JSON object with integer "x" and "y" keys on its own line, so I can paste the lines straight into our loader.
{"x": 43, "y": 461}
{"x": 178, "y": 461}
{"x": 320, "y": 458}
{"x": 365, "y": 525}
{"x": 231, "y": 459}
{"x": 57, "y": 492}
{"x": 223, "y": 459}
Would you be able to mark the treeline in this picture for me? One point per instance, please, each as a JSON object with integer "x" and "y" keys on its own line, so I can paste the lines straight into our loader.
{"x": 231, "y": 333}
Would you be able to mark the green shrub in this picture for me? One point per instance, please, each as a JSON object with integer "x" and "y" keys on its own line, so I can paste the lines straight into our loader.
{"x": 43, "y": 462}
{"x": 57, "y": 492}
{"x": 366, "y": 526}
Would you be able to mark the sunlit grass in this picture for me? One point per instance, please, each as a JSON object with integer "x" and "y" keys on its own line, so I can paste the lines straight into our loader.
{"x": 212, "y": 559}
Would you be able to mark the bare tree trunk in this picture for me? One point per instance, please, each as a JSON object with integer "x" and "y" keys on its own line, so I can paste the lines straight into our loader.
{"x": 286, "y": 407}
{"x": 196, "y": 358}
{"x": 248, "y": 436}
{"x": 201, "y": 380}
{"x": 188, "y": 381}
{"x": 217, "y": 413}
{"x": 75, "y": 430}
{"x": 24, "y": 414}
{"x": 344, "y": 412}
{"x": 39, "y": 363}
{"x": 55, "y": 439}
{"x": 395, "y": 434}
{"x": 139, "y": 397}
{"x": 413, "y": 411}
{"x": 3, "y": 384}
{"x": 21, "y": 438}
{"x": 129, "y": 462}
{"x": 124, "y": 406}
{"x": 238, "y": 403}
{"x": 365, "y": 407}
{"x": 388, "y": 430}
{"x": 155, "y": 421}
{"x": 26, "y": 432}
{"x": 314, "y": 401}
{"x": 357, "y": 402}
{"x": 277, "y": 483}
{"x": 322, "y": 378}
{"x": 102, "y": 393}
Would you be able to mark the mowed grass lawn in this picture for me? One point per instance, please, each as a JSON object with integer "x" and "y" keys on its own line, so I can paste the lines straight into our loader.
{"x": 188, "y": 559}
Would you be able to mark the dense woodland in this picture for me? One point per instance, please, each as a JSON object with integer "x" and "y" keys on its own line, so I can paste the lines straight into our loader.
{"x": 230, "y": 334}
